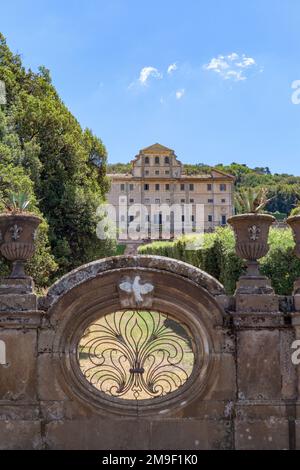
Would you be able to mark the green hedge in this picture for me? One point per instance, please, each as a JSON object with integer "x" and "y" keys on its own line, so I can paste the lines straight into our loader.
{"x": 217, "y": 257}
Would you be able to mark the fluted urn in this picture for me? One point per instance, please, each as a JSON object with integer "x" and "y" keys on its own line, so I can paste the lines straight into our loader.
{"x": 251, "y": 234}
{"x": 17, "y": 240}
{"x": 294, "y": 223}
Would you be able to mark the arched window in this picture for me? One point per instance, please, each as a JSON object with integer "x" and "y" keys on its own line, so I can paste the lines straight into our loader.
{"x": 156, "y": 160}
{"x": 167, "y": 161}
{"x": 147, "y": 161}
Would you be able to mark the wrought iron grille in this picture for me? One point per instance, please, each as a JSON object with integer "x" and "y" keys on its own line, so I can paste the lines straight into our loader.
{"x": 136, "y": 354}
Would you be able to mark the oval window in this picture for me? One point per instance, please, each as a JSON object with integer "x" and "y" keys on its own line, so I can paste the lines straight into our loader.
{"x": 136, "y": 354}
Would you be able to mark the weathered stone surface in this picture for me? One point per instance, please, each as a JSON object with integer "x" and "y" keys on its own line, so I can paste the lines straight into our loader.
{"x": 297, "y": 426}
{"x": 258, "y": 320}
{"x": 257, "y": 303}
{"x": 288, "y": 370}
{"x": 18, "y": 377}
{"x": 224, "y": 387}
{"x": 98, "y": 434}
{"x": 297, "y": 302}
{"x": 48, "y": 387}
{"x": 258, "y": 367}
{"x": 254, "y": 285}
{"x": 269, "y": 434}
{"x": 19, "y": 412}
{"x": 20, "y": 435}
{"x": 192, "y": 435}
{"x": 16, "y": 286}
{"x": 255, "y": 410}
{"x": 13, "y": 302}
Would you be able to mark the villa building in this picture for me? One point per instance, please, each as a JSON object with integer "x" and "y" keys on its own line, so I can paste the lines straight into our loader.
{"x": 157, "y": 178}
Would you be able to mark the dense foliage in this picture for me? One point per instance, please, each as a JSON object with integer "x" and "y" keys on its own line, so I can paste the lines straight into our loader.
{"x": 217, "y": 257}
{"x": 44, "y": 151}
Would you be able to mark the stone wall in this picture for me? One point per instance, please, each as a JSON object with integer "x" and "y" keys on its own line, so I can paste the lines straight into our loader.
{"x": 248, "y": 397}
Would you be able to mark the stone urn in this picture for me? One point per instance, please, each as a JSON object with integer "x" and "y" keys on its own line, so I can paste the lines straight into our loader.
{"x": 251, "y": 234}
{"x": 294, "y": 223}
{"x": 17, "y": 237}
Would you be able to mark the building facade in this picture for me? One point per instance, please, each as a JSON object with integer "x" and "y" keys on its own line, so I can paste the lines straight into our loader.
{"x": 157, "y": 179}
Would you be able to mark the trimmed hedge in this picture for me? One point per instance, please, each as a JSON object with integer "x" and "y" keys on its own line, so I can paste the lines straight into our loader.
{"x": 217, "y": 257}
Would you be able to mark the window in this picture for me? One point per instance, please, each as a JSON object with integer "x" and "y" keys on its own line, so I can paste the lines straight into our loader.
{"x": 182, "y": 188}
{"x": 182, "y": 218}
{"x": 167, "y": 160}
{"x": 223, "y": 187}
{"x": 131, "y": 187}
{"x": 210, "y": 218}
{"x": 146, "y": 187}
{"x": 147, "y": 172}
{"x": 192, "y": 218}
{"x": 192, "y": 201}
{"x": 182, "y": 201}
{"x": 122, "y": 187}
{"x": 167, "y": 172}
{"x": 147, "y": 201}
{"x": 157, "y": 187}
{"x": 191, "y": 187}
{"x": 157, "y": 172}
{"x": 210, "y": 201}
{"x": 209, "y": 187}
{"x": 223, "y": 201}
{"x": 224, "y": 220}
{"x": 157, "y": 201}
{"x": 131, "y": 201}
{"x": 147, "y": 161}
{"x": 156, "y": 160}
{"x": 167, "y": 187}
{"x": 131, "y": 218}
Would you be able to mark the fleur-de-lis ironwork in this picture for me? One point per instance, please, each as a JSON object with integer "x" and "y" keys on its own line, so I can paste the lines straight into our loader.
{"x": 16, "y": 232}
{"x": 136, "y": 355}
{"x": 254, "y": 232}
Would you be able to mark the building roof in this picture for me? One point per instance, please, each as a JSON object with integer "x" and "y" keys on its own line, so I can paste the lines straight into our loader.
{"x": 156, "y": 148}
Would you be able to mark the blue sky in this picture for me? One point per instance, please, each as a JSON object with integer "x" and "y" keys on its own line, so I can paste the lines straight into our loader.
{"x": 226, "y": 97}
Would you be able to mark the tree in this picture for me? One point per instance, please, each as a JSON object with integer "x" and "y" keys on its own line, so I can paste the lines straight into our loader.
{"x": 64, "y": 164}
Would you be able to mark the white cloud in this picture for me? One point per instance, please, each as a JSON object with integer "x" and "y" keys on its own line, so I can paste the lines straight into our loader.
{"x": 231, "y": 67}
{"x": 172, "y": 68}
{"x": 180, "y": 94}
{"x": 147, "y": 73}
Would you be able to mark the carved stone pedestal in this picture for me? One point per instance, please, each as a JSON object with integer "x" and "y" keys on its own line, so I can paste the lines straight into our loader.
{"x": 17, "y": 295}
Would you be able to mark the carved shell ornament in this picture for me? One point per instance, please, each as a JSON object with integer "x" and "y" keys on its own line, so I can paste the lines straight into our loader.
{"x": 16, "y": 232}
{"x": 254, "y": 232}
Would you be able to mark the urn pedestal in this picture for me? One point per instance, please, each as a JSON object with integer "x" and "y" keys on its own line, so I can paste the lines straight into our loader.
{"x": 251, "y": 234}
